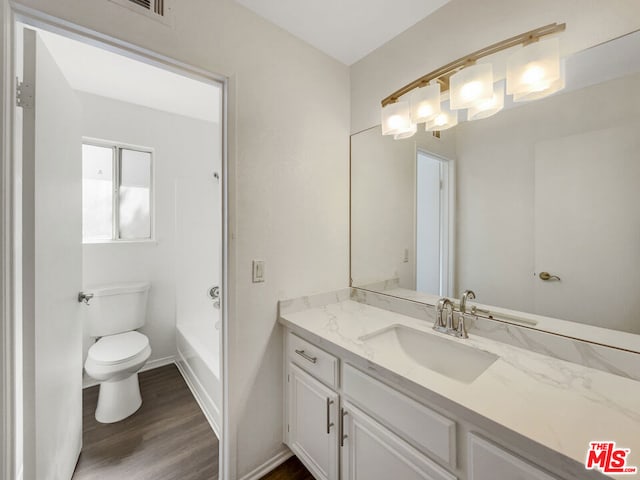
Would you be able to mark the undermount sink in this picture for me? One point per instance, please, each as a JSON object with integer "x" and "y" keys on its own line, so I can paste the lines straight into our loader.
{"x": 400, "y": 345}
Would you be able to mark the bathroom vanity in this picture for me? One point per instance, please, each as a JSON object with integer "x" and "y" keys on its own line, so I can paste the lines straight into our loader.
{"x": 375, "y": 392}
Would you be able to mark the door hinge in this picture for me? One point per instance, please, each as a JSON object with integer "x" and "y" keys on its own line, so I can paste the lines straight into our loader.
{"x": 24, "y": 95}
{"x": 288, "y": 428}
{"x": 288, "y": 378}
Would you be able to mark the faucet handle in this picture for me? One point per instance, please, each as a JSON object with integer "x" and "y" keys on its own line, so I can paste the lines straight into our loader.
{"x": 461, "y": 331}
{"x": 449, "y": 323}
{"x": 443, "y": 303}
{"x": 439, "y": 309}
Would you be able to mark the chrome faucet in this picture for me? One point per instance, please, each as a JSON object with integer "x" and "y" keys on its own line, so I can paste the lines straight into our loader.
{"x": 447, "y": 326}
{"x": 461, "y": 330}
{"x": 466, "y": 295}
{"x": 440, "y": 324}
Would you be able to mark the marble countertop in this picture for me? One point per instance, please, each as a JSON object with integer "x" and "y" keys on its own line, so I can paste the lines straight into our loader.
{"x": 560, "y": 405}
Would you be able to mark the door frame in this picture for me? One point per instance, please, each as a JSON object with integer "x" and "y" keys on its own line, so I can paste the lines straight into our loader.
{"x": 10, "y": 238}
{"x": 448, "y": 244}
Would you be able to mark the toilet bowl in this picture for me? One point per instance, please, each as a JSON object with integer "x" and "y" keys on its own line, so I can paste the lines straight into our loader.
{"x": 114, "y": 313}
{"x": 115, "y": 361}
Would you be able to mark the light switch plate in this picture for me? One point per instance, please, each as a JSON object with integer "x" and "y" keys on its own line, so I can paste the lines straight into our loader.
{"x": 258, "y": 271}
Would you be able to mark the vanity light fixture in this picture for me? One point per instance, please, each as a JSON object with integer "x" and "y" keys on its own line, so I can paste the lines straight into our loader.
{"x": 545, "y": 90}
{"x": 534, "y": 69}
{"x": 471, "y": 85}
{"x": 533, "y": 72}
{"x": 447, "y": 118}
{"x": 487, "y": 108}
{"x": 396, "y": 118}
{"x": 408, "y": 134}
{"x": 425, "y": 103}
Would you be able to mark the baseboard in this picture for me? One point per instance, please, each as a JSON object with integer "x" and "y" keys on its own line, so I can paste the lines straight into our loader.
{"x": 269, "y": 465}
{"x": 157, "y": 363}
{"x": 197, "y": 390}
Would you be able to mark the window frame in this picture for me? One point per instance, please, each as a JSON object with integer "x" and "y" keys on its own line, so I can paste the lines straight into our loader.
{"x": 116, "y": 165}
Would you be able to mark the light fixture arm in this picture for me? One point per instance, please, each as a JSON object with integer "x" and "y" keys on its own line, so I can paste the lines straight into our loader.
{"x": 442, "y": 74}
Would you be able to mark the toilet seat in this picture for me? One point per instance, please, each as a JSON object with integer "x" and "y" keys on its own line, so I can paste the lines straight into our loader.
{"x": 117, "y": 349}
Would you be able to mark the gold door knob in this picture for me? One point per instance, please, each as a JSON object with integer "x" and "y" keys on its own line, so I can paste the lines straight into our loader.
{"x": 546, "y": 276}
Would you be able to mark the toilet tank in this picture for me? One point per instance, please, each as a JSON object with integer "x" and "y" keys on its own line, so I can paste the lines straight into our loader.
{"x": 116, "y": 308}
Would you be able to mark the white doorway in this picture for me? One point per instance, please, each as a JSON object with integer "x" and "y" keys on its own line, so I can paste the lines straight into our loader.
{"x": 433, "y": 224}
{"x": 50, "y": 240}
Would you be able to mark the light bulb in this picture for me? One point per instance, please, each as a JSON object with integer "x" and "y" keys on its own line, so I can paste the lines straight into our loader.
{"x": 425, "y": 103}
{"x": 446, "y": 119}
{"x": 471, "y": 91}
{"x": 487, "y": 108}
{"x": 534, "y": 68}
{"x": 471, "y": 85}
{"x": 396, "y": 118}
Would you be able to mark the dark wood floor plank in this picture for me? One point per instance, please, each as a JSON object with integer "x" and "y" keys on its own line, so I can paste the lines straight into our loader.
{"x": 167, "y": 439}
{"x": 292, "y": 469}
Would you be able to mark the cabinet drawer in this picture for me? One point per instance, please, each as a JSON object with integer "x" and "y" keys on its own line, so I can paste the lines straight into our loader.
{"x": 319, "y": 363}
{"x": 421, "y": 426}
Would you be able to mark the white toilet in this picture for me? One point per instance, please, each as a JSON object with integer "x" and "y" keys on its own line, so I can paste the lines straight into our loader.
{"x": 114, "y": 312}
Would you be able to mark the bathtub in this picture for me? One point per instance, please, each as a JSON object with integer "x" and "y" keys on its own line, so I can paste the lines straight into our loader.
{"x": 199, "y": 362}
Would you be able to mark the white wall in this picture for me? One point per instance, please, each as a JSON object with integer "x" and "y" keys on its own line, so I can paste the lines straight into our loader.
{"x": 289, "y": 152}
{"x": 182, "y": 146}
{"x": 463, "y": 26}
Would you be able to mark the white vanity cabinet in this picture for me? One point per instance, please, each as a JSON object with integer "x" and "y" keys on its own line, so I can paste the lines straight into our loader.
{"x": 335, "y": 439}
{"x": 344, "y": 424}
{"x": 370, "y": 452}
{"x": 312, "y": 424}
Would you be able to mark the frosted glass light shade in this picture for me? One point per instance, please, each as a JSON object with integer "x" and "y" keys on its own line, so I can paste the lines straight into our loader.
{"x": 425, "y": 103}
{"x": 487, "y": 108}
{"x": 471, "y": 85}
{"x": 534, "y": 68}
{"x": 408, "y": 134}
{"x": 548, "y": 89}
{"x": 396, "y": 118}
{"x": 444, "y": 120}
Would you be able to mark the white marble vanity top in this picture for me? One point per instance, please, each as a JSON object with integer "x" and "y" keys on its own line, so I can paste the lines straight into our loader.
{"x": 558, "y": 404}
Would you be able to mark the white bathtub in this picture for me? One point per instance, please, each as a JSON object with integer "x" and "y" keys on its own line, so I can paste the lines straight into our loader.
{"x": 199, "y": 361}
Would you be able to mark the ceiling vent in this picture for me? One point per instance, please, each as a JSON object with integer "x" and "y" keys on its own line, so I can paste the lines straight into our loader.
{"x": 155, "y": 9}
{"x": 155, "y": 6}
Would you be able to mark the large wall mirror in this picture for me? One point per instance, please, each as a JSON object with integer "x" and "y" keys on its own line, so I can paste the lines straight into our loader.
{"x": 546, "y": 187}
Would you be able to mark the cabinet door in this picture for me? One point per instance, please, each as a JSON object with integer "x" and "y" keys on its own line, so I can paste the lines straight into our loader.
{"x": 490, "y": 462}
{"x": 371, "y": 452}
{"x": 313, "y": 423}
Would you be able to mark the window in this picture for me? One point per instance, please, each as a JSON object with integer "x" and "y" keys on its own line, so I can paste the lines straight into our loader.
{"x": 116, "y": 193}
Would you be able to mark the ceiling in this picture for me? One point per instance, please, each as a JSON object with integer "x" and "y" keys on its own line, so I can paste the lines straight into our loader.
{"x": 100, "y": 72}
{"x": 345, "y": 29}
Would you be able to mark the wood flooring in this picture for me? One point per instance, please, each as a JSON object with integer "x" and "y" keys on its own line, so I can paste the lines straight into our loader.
{"x": 292, "y": 469}
{"x": 167, "y": 439}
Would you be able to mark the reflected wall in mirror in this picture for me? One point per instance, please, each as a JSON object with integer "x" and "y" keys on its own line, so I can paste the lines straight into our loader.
{"x": 551, "y": 186}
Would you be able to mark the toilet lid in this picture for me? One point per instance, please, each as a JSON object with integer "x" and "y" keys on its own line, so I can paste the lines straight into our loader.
{"x": 118, "y": 348}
